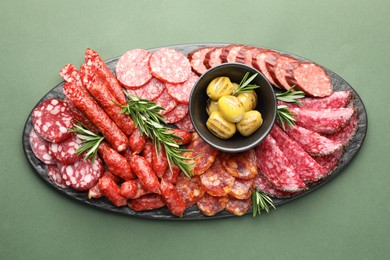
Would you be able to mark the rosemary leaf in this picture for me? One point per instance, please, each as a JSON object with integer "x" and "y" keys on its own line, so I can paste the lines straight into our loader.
{"x": 260, "y": 202}
{"x": 244, "y": 84}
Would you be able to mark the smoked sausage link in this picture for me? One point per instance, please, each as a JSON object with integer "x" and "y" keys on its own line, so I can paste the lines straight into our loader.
{"x": 145, "y": 173}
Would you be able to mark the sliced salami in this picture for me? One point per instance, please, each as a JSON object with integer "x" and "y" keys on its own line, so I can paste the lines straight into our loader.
{"x": 83, "y": 174}
{"x": 216, "y": 181}
{"x": 263, "y": 185}
{"x": 245, "y": 55}
{"x": 132, "y": 69}
{"x": 312, "y": 79}
{"x": 270, "y": 63}
{"x": 230, "y": 53}
{"x": 345, "y": 135}
{"x": 65, "y": 151}
{"x": 242, "y": 189}
{"x": 337, "y": 99}
{"x": 240, "y": 165}
{"x": 306, "y": 167}
{"x": 211, "y": 205}
{"x": 190, "y": 189}
{"x": 166, "y": 102}
{"x": 238, "y": 207}
{"x": 54, "y": 174}
{"x": 213, "y": 58}
{"x": 330, "y": 162}
{"x": 40, "y": 148}
{"x": 70, "y": 73}
{"x": 274, "y": 165}
{"x": 172, "y": 175}
{"x": 185, "y": 124}
{"x": 284, "y": 66}
{"x": 176, "y": 114}
{"x": 258, "y": 62}
{"x": 312, "y": 142}
{"x": 51, "y": 120}
{"x": 170, "y": 66}
{"x": 197, "y": 57}
{"x": 150, "y": 91}
{"x": 181, "y": 92}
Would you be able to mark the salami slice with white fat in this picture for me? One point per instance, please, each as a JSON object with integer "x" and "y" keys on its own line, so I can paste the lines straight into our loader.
{"x": 150, "y": 91}
{"x": 65, "y": 151}
{"x": 211, "y": 205}
{"x": 51, "y": 120}
{"x": 132, "y": 69}
{"x": 190, "y": 189}
{"x": 242, "y": 189}
{"x": 197, "y": 57}
{"x": 181, "y": 92}
{"x": 176, "y": 114}
{"x": 263, "y": 185}
{"x": 213, "y": 58}
{"x": 240, "y": 165}
{"x": 83, "y": 174}
{"x": 274, "y": 165}
{"x": 170, "y": 66}
{"x": 165, "y": 101}
{"x": 238, "y": 207}
{"x": 40, "y": 148}
{"x": 330, "y": 162}
{"x": 216, "y": 181}
{"x": 54, "y": 174}
{"x": 338, "y": 99}
{"x": 185, "y": 124}
{"x": 345, "y": 135}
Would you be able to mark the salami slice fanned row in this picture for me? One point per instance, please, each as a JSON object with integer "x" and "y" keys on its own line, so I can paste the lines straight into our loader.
{"x": 197, "y": 57}
{"x": 40, "y": 148}
{"x": 263, "y": 185}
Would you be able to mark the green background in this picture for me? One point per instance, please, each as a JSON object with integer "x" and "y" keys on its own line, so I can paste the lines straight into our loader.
{"x": 346, "y": 219}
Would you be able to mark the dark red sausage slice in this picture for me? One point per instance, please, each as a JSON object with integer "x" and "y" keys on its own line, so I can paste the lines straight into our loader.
{"x": 170, "y": 66}
{"x": 51, "y": 120}
{"x": 284, "y": 66}
{"x": 213, "y": 58}
{"x": 230, "y": 53}
{"x": 197, "y": 57}
{"x": 259, "y": 63}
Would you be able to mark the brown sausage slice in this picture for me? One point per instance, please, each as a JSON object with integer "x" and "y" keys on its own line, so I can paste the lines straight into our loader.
{"x": 211, "y": 205}
{"x": 240, "y": 165}
{"x": 216, "y": 181}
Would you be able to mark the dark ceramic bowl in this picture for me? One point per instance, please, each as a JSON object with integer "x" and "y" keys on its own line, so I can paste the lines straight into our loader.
{"x": 266, "y": 106}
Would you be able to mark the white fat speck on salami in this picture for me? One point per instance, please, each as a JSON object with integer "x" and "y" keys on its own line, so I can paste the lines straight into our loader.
{"x": 165, "y": 101}
{"x": 151, "y": 90}
{"x": 82, "y": 175}
{"x": 185, "y": 124}
{"x": 51, "y": 120}
{"x": 54, "y": 174}
{"x": 181, "y": 92}
{"x": 132, "y": 69}
{"x": 170, "y": 66}
{"x": 65, "y": 151}
{"x": 176, "y": 114}
{"x": 276, "y": 168}
{"x": 40, "y": 148}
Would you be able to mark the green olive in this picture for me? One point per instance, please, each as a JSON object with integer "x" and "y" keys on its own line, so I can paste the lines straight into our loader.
{"x": 219, "y": 87}
{"x": 250, "y": 123}
{"x": 211, "y": 106}
{"x": 231, "y": 108}
{"x": 219, "y": 126}
{"x": 235, "y": 86}
{"x": 248, "y": 100}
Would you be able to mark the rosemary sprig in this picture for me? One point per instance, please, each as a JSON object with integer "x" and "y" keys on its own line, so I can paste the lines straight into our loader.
{"x": 285, "y": 116}
{"x": 260, "y": 201}
{"x": 244, "y": 84}
{"x": 90, "y": 141}
{"x": 146, "y": 116}
{"x": 291, "y": 97}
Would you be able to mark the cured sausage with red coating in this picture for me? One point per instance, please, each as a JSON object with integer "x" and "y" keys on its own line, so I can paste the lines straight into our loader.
{"x": 96, "y": 114}
{"x": 111, "y": 191}
{"x": 137, "y": 141}
{"x": 185, "y": 136}
{"x": 159, "y": 161}
{"x": 133, "y": 189}
{"x": 146, "y": 202}
{"x": 145, "y": 173}
{"x": 172, "y": 198}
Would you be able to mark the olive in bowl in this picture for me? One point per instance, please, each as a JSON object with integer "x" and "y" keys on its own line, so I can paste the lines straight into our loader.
{"x": 266, "y": 105}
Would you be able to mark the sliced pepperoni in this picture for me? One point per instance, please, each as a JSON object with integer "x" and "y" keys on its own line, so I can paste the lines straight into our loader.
{"x": 312, "y": 79}
{"x": 197, "y": 57}
{"x": 132, "y": 69}
{"x": 307, "y": 168}
{"x": 54, "y": 174}
{"x": 151, "y": 90}
{"x": 259, "y": 63}
{"x": 263, "y": 185}
{"x": 165, "y": 101}
{"x": 274, "y": 165}
{"x": 40, "y": 148}
{"x": 284, "y": 66}
{"x": 242, "y": 189}
{"x": 185, "y": 124}
{"x": 216, "y": 181}
{"x": 176, "y": 114}
{"x": 345, "y": 135}
{"x": 65, "y": 151}
{"x": 211, "y": 205}
{"x": 83, "y": 174}
{"x": 51, "y": 120}
{"x": 213, "y": 58}
{"x": 181, "y": 92}
{"x": 241, "y": 165}
{"x": 312, "y": 142}
{"x": 170, "y": 66}
{"x": 238, "y": 207}
{"x": 190, "y": 189}
{"x": 230, "y": 53}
